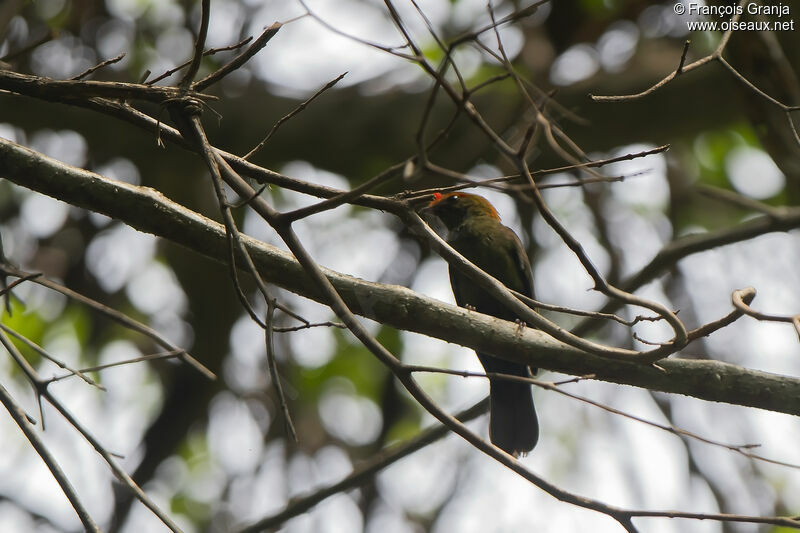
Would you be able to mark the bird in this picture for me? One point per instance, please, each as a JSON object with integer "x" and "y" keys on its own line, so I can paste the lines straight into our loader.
{"x": 474, "y": 229}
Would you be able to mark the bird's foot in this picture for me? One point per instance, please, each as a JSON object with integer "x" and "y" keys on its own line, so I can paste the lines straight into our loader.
{"x": 521, "y": 325}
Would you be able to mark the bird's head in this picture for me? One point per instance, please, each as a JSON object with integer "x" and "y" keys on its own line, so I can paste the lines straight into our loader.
{"x": 454, "y": 207}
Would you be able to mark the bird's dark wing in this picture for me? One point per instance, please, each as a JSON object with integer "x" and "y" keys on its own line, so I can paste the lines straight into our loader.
{"x": 521, "y": 262}
{"x": 496, "y": 250}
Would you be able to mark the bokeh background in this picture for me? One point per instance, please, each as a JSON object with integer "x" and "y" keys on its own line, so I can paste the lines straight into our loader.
{"x": 215, "y": 454}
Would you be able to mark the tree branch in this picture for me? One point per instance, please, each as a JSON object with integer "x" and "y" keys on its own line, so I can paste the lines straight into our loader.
{"x": 364, "y": 472}
{"x": 59, "y": 90}
{"x": 33, "y": 437}
{"x": 149, "y": 211}
{"x": 785, "y": 219}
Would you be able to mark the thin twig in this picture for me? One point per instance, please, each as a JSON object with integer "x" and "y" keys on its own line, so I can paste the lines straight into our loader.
{"x": 292, "y": 113}
{"x": 746, "y": 295}
{"x": 738, "y": 200}
{"x": 43, "y": 391}
{"x": 216, "y": 166}
{"x": 364, "y": 471}
{"x": 44, "y": 353}
{"x": 512, "y": 17}
{"x": 310, "y": 325}
{"x": 739, "y": 299}
{"x": 752, "y": 87}
{"x": 7, "y": 289}
{"x": 209, "y": 52}
{"x": 474, "y": 181}
{"x": 683, "y": 57}
{"x": 49, "y": 36}
{"x": 239, "y": 60}
{"x": 345, "y": 196}
{"x": 113, "y": 314}
{"x": 372, "y": 44}
{"x": 199, "y": 46}
{"x": 793, "y": 127}
{"x": 21, "y": 419}
{"x": 98, "y": 66}
{"x": 147, "y": 357}
{"x": 272, "y": 364}
{"x": 536, "y": 304}
{"x": 670, "y": 254}
{"x": 742, "y": 449}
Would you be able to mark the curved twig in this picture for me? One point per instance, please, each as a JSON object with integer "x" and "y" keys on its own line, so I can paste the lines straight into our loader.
{"x": 740, "y": 301}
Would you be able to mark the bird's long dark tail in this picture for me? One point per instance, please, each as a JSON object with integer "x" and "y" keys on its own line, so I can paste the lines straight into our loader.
{"x": 513, "y": 426}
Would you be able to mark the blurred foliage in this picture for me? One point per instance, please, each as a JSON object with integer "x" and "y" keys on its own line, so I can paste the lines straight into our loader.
{"x": 355, "y": 132}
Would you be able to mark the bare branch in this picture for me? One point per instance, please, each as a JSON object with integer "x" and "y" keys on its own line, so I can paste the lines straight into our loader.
{"x": 365, "y": 471}
{"x": 239, "y": 60}
{"x": 65, "y": 90}
{"x": 210, "y": 51}
{"x": 738, "y": 200}
{"x": 44, "y": 353}
{"x": 21, "y": 419}
{"x": 292, "y": 113}
{"x": 683, "y": 57}
{"x": 742, "y": 449}
{"x": 40, "y": 386}
{"x": 98, "y": 67}
{"x": 717, "y": 56}
{"x": 747, "y": 296}
{"x": 199, "y": 46}
{"x": 11, "y": 56}
{"x": 113, "y": 314}
{"x": 740, "y": 301}
{"x": 149, "y": 211}
{"x": 786, "y": 219}
{"x": 148, "y": 357}
{"x": 309, "y": 325}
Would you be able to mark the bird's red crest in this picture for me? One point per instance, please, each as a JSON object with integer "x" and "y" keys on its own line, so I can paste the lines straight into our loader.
{"x": 479, "y": 201}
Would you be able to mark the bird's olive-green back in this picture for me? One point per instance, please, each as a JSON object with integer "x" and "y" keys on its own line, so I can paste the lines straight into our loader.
{"x": 475, "y": 230}
{"x": 496, "y": 250}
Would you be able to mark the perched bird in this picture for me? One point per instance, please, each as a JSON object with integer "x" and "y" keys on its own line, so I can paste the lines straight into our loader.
{"x": 475, "y": 231}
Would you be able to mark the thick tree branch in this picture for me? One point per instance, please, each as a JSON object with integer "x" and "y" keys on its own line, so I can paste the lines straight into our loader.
{"x": 149, "y": 211}
{"x": 59, "y": 90}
